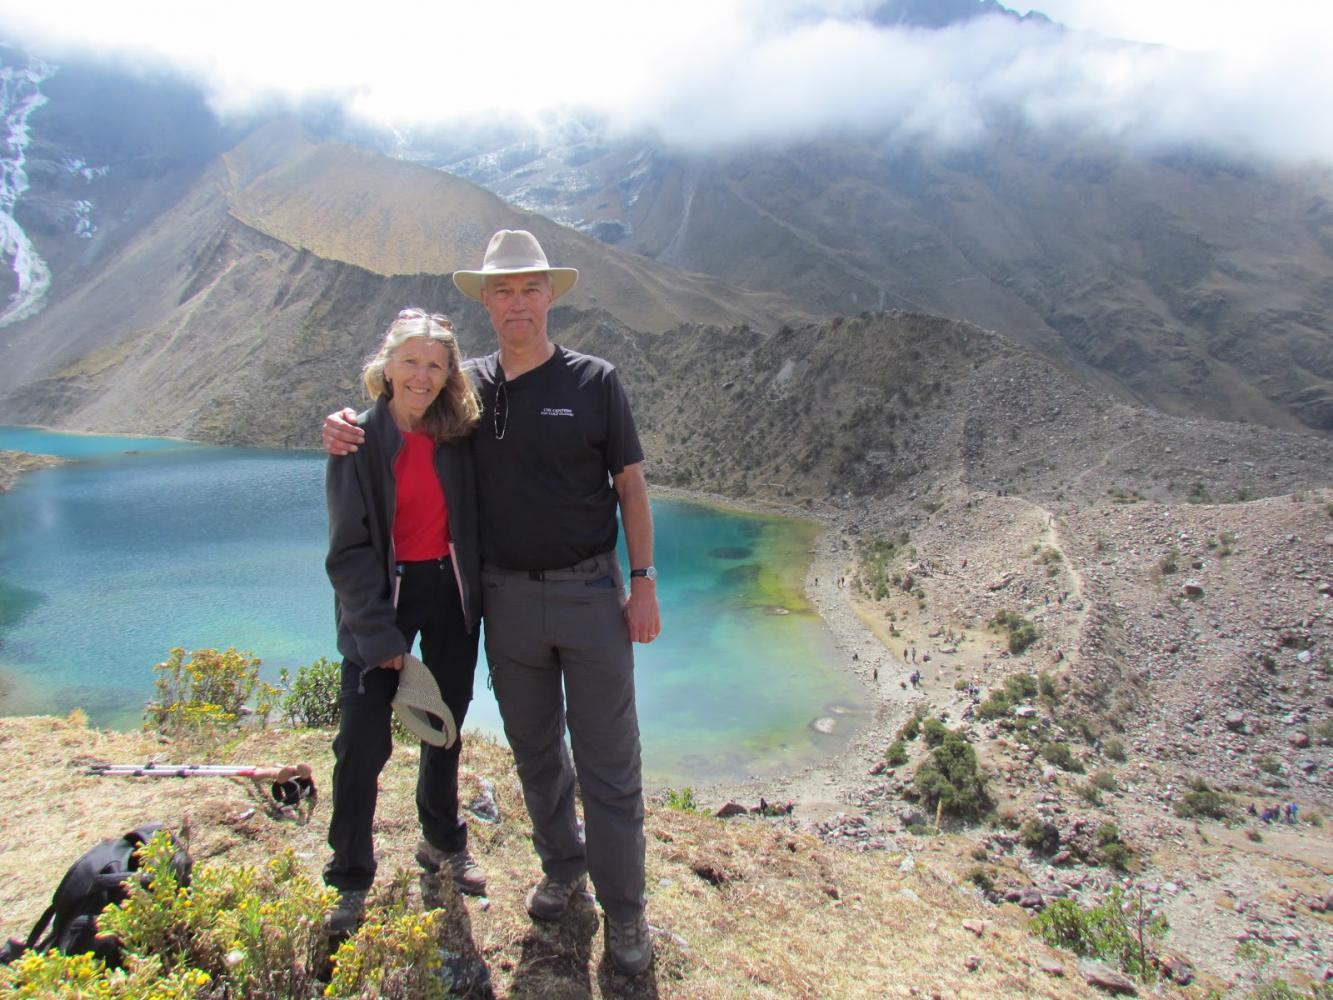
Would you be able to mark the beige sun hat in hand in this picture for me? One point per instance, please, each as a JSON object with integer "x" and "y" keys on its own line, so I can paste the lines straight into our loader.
{"x": 418, "y": 699}
{"x": 515, "y": 251}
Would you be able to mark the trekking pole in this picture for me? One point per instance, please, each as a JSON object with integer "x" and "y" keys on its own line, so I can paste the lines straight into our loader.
{"x": 290, "y": 782}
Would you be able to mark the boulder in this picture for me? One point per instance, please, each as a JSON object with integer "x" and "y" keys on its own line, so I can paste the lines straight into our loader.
{"x": 1177, "y": 970}
{"x": 1235, "y": 720}
{"x": 1098, "y": 975}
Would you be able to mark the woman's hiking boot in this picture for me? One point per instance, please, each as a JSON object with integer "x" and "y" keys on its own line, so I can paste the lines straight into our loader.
{"x": 549, "y": 898}
{"x": 347, "y": 914}
{"x": 462, "y": 867}
{"x": 629, "y": 944}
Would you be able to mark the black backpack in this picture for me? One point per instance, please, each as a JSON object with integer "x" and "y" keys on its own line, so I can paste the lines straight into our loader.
{"x": 96, "y": 879}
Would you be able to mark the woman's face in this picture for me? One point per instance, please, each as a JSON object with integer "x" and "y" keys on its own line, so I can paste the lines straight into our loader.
{"x": 417, "y": 369}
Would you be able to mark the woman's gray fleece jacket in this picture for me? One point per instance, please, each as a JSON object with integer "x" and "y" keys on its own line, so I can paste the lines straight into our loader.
{"x": 360, "y": 490}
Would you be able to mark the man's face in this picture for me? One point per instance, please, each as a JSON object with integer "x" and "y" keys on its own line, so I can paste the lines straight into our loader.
{"x": 518, "y": 304}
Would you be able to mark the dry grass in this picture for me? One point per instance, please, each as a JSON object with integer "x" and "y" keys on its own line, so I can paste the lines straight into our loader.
{"x": 744, "y": 908}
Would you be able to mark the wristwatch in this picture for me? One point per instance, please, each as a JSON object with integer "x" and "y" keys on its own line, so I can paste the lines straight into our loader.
{"x": 648, "y": 572}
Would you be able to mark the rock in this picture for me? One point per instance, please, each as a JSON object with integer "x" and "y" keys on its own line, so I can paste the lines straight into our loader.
{"x": 824, "y": 725}
{"x": 1025, "y": 712}
{"x": 1096, "y": 974}
{"x": 1177, "y": 970}
{"x": 731, "y": 809}
{"x": 1299, "y": 740}
{"x": 484, "y": 806}
{"x": 1063, "y": 858}
{"x": 1192, "y": 589}
{"x": 907, "y": 865}
{"x": 912, "y": 817}
{"x": 1031, "y": 899}
{"x": 1235, "y": 720}
{"x": 972, "y": 963}
{"x": 1052, "y": 968}
{"x": 977, "y": 927}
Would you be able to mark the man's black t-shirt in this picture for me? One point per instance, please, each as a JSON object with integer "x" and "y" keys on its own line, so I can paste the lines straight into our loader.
{"x": 548, "y": 443}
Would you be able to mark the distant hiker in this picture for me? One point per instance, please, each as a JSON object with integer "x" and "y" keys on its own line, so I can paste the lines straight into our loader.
{"x": 1251, "y": 810}
{"x": 403, "y": 560}
{"x": 556, "y": 456}
{"x": 1292, "y": 810}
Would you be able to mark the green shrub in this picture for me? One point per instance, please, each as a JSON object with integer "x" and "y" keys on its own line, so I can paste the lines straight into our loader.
{"x": 53, "y": 976}
{"x": 312, "y": 696}
{"x": 933, "y": 732}
{"x": 995, "y": 707}
{"x": 1269, "y": 764}
{"x": 982, "y": 879}
{"x": 1022, "y": 633}
{"x": 875, "y": 556}
{"x": 1040, "y": 836}
{"x": 682, "y": 799}
{"x": 911, "y": 728}
{"x": 950, "y": 780}
{"x": 1061, "y": 756}
{"x": 249, "y": 933}
{"x": 1090, "y": 794}
{"x": 1114, "y": 748}
{"x": 1111, "y": 850}
{"x": 1113, "y": 932}
{"x": 256, "y": 930}
{"x": 1047, "y": 688}
{"x": 1202, "y": 802}
{"x": 204, "y": 696}
{"x": 1105, "y": 781}
{"x": 897, "y": 755}
{"x": 1021, "y": 687}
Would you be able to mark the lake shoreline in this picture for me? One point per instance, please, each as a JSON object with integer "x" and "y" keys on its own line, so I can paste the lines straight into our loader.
{"x": 825, "y": 787}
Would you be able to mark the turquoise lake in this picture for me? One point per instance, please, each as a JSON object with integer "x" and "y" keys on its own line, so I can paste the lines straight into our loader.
{"x": 138, "y": 545}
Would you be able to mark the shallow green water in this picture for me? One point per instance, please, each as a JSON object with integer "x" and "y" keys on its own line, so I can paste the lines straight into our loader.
{"x": 140, "y": 545}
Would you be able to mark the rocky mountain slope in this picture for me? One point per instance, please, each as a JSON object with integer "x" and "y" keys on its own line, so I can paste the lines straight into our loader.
{"x": 243, "y": 311}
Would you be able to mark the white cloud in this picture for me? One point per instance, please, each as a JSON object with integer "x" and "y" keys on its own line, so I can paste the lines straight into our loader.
{"x": 702, "y": 72}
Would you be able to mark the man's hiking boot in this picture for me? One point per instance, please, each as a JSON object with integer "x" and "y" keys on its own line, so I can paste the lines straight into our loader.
{"x": 629, "y": 944}
{"x": 462, "y": 866}
{"x": 549, "y": 898}
{"x": 347, "y": 913}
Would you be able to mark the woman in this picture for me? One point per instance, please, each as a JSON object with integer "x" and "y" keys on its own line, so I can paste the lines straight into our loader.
{"x": 403, "y": 560}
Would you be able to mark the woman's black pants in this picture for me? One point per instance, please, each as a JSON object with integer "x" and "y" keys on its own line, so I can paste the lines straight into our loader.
{"x": 428, "y": 603}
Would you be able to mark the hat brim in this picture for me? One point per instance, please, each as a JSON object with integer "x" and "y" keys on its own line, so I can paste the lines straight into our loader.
{"x": 418, "y": 700}
{"x": 562, "y": 279}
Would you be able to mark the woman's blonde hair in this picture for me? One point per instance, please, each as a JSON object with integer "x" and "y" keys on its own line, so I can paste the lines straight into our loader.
{"x": 456, "y": 411}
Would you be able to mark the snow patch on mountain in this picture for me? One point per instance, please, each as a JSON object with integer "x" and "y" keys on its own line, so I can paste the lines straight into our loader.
{"x": 20, "y": 96}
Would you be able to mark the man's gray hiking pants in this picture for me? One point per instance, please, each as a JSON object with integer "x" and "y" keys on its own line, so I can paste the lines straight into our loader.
{"x": 545, "y": 629}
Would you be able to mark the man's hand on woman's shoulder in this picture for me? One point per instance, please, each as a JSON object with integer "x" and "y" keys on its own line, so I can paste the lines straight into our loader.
{"x": 342, "y": 434}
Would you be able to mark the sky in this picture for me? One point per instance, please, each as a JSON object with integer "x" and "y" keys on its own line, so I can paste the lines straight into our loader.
{"x": 1249, "y": 79}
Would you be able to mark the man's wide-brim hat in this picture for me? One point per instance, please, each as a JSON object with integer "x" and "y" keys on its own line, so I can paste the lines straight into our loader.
{"x": 515, "y": 251}
{"x": 420, "y": 707}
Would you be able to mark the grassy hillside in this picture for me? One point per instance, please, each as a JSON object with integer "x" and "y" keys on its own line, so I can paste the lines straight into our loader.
{"x": 744, "y": 908}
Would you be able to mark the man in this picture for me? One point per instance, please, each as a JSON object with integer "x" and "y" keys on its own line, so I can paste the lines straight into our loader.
{"x": 556, "y": 453}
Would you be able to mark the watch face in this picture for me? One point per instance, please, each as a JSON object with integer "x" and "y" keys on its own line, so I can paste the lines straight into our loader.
{"x": 648, "y": 572}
